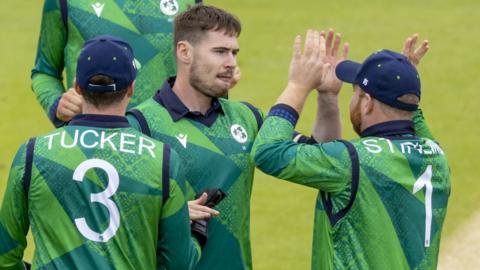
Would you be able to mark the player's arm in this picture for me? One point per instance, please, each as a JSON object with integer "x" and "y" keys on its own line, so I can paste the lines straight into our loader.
{"x": 177, "y": 248}
{"x": 328, "y": 126}
{"x": 14, "y": 221}
{"x": 49, "y": 64}
{"x": 324, "y": 166}
{"x": 415, "y": 55}
{"x": 273, "y": 150}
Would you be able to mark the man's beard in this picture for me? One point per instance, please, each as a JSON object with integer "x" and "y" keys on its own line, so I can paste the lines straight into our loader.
{"x": 199, "y": 84}
{"x": 356, "y": 118}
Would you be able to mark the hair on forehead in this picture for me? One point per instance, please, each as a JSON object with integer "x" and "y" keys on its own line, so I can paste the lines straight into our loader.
{"x": 192, "y": 24}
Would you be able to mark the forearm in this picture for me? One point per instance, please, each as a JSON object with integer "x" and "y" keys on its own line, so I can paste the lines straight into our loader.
{"x": 293, "y": 96}
{"x": 276, "y": 154}
{"x": 327, "y": 125}
{"x": 47, "y": 89}
{"x": 49, "y": 62}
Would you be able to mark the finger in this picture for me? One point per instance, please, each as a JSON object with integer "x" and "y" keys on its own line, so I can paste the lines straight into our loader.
{"x": 65, "y": 114}
{"x": 308, "y": 43}
{"x": 72, "y": 98}
{"x": 322, "y": 34}
{"x": 323, "y": 49}
{"x": 346, "y": 48}
{"x": 413, "y": 42}
{"x": 407, "y": 46}
{"x": 316, "y": 44}
{"x": 422, "y": 50}
{"x": 72, "y": 107}
{"x": 196, "y": 215}
{"x": 202, "y": 199}
{"x": 329, "y": 40}
{"x": 297, "y": 44}
{"x": 202, "y": 208}
{"x": 336, "y": 45}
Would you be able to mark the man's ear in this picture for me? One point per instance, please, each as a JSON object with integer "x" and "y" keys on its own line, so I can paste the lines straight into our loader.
{"x": 131, "y": 89}
{"x": 368, "y": 104}
{"x": 76, "y": 87}
{"x": 184, "y": 52}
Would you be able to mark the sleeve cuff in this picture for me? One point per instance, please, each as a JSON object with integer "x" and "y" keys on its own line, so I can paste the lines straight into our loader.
{"x": 52, "y": 114}
{"x": 285, "y": 111}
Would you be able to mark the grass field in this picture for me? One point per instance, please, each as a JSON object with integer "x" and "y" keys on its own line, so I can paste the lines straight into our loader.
{"x": 282, "y": 213}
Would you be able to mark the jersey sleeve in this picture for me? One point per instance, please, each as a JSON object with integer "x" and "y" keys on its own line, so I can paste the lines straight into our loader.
{"x": 326, "y": 166}
{"x": 14, "y": 221}
{"x": 49, "y": 63}
{"x": 177, "y": 249}
{"x": 421, "y": 127}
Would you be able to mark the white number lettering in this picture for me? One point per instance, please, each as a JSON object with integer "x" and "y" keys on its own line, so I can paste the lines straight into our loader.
{"x": 425, "y": 180}
{"x": 102, "y": 197}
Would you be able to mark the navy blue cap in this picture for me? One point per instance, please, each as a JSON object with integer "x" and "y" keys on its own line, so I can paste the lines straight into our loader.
{"x": 385, "y": 75}
{"x": 108, "y": 56}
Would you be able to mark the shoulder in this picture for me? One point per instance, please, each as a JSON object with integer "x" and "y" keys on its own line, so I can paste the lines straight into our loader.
{"x": 242, "y": 109}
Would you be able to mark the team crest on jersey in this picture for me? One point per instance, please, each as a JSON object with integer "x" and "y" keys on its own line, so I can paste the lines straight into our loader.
{"x": 169, "y": 7}
{"x": 239, "y": 133}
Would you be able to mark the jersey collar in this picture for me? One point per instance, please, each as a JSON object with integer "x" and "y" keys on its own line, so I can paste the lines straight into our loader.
{"x": 177, "y": 109}
{"x": 98, "y": 120}
{"x": 390, "y": 129}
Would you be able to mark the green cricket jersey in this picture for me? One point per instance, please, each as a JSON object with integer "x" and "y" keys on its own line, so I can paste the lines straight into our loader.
{"x": 146, "y": 25}
{"x": 382, "y": 198}
{"x": 97, "y": 194}
{"x": 215, "y": 149}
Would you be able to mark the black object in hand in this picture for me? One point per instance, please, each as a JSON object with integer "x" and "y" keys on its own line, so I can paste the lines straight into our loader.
{"x": 215, "y": 196}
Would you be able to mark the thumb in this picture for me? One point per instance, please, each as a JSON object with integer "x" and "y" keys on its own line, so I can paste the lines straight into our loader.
{"x": 202, "y": 199}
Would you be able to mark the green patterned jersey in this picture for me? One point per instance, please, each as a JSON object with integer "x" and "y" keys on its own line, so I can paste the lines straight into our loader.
{"x": 382, "y": 198}
{"x": 215, "y": 150}
{"x": 146, "y": 25}
{"x": 97, "y": 194}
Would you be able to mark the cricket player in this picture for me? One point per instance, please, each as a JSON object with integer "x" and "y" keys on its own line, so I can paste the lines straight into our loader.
{"x": 383, "y": 197}
{"x": 212, "y": 135}
{"x": 97, "y": 193}
{"x": 66, "y": 25}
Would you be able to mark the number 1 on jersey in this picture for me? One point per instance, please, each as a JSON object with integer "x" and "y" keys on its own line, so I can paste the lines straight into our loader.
{"x": 425, "y": 180}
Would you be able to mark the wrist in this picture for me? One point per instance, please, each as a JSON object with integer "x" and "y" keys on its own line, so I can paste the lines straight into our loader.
{"x": 328, "y": 102}
{"x": 298, "y": 88}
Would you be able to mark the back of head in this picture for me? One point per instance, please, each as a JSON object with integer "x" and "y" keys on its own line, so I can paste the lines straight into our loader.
{"x": 192, "y": 24}
{"x": 105, "y": 69}
{"x": 388, "y": 77}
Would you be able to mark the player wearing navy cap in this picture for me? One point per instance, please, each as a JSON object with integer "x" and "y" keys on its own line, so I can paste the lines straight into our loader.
{"x": 97, "y": 193}
{"x": 383, "y": 197}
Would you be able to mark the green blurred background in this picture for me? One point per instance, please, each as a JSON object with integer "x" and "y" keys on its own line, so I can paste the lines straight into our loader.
{"x": 282, "y": 213}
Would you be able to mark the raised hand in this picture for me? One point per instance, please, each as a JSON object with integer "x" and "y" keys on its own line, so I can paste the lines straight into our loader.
{"x": 414, "y": 55}
{"x": 305, "y": 71}
{"x": 330, "y": 83}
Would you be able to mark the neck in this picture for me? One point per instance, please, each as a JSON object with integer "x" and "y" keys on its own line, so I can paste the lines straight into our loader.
{"x": 115, "y": 109}
{"x": 193, "y": 99}
{"x": 379, "y": 118}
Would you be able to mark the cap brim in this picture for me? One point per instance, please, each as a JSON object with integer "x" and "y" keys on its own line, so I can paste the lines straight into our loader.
{"x": 347, "y": 71}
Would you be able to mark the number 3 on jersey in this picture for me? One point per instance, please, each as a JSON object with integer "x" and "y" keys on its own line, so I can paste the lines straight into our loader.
{"x": 425, "y": 180}
{"x": 101, "y": 197}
